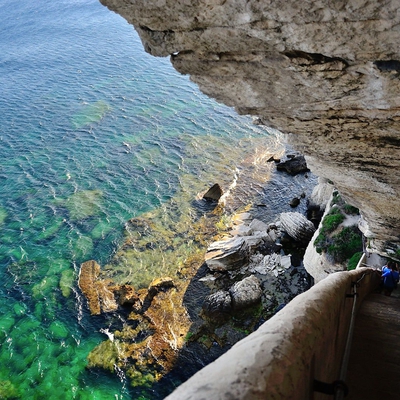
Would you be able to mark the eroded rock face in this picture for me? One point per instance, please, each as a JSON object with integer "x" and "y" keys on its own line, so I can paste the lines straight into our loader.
{"x": 324, "y": 72}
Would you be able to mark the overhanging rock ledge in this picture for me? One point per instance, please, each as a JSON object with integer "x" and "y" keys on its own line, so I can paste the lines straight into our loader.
{"x": 326, "y": 73}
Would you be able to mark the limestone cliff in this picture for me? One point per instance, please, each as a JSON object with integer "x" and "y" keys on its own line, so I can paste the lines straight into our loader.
{"x": 326, "y": 72}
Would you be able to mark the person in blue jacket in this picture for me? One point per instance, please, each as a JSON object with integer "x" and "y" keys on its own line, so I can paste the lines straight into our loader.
{"x": 390, "y": 278}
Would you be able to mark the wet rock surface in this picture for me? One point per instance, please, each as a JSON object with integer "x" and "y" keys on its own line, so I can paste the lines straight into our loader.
{"x": 159, "y": 328}
{"x": 267, "y": 274}
{"x": 217, "y": 303}
{"x": 99, "y": 292}
{"x": 227, "y": 254}
{"x": 146, "y": 347}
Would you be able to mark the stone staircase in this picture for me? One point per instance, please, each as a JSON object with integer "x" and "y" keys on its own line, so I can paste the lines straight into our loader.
{"x": 374, "y": 365}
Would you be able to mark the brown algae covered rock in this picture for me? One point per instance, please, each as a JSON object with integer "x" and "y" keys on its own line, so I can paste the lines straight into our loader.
{"x": 98, "y": 292}
{"x": 147, "y": 346}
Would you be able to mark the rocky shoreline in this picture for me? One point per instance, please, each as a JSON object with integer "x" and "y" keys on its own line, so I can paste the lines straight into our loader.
{"x": 216, "y": 297}
{"x": 252, "y": 265}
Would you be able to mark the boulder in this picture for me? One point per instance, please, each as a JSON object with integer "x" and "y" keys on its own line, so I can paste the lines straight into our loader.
{"x": 214, "y": 193}
{"x": 293, "y": 166}
{"x": 272, "y": 234}
{"x": 246, "y": 292}
{"x": 226, "y": 255}
{"x": 294, "y": 202}
{"x": 256, "y": 240}
{"x": 258, "y": 226}
{"x": 217, "y": 303}
{"x": 241, "y": 218}
{"x": 241, "y": 230}
{"x": 286, "y": 262}
{"x": 297, "y": 226}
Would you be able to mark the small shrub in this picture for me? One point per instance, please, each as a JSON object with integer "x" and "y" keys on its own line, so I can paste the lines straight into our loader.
{"x": 336, "y": 198}
{"x": 347, "y": 242}
{"x": 343, "y": 245}
{"x": 332, "y": 221}
{"x": 350, "y": 210}
{"x": 320, "y": 243}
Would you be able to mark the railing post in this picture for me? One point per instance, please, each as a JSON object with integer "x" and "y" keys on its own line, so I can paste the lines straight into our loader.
{"x": 361, "y": 261}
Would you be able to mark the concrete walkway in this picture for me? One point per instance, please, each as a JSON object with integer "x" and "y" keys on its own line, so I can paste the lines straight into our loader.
{"x": 374, "y": 365}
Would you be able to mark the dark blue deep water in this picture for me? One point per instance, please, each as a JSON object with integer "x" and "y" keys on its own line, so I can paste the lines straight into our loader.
{"x": 93, "y": 131}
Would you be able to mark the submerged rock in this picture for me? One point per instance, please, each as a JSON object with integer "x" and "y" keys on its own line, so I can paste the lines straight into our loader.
{"x": 98, "y": 292}
{"x": 8, "y": 390}
{"x": 160, "y": 284}
{"x": 258, "y": 226}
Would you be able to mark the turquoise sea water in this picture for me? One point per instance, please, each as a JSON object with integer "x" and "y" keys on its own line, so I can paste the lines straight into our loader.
{"x": 93, "y": 131}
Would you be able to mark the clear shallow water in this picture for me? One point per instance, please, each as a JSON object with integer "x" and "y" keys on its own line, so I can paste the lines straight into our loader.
{"x": 93, "y": 131}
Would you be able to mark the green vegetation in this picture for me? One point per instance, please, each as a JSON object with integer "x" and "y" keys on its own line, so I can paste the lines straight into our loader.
{"x": 351, "y": 210}
{"x": 329, "y": 224}
{"x": 341, "y": 243}
{"x": 345, "y": 243}
{"x": 347, "y": 208}
{"x": 336, "y": 199}
{"x": 188, "y": 336}
{"x": 353, "y": 261}
{"x": 332, "y": 220}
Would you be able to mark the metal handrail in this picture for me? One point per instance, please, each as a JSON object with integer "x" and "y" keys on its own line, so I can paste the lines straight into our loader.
{"x": 338, "y": 388}
{"x": 341, "y": 390}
